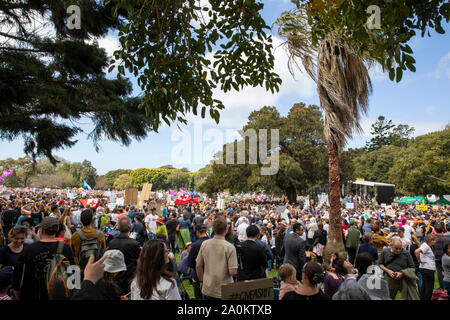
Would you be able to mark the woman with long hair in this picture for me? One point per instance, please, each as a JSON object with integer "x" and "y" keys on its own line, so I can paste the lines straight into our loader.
{"x": 334, "y": 279}
{"x": 152, "y": 280}
{"x": 11, "y": 252}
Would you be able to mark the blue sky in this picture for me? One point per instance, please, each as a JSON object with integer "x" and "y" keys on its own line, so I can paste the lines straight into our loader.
{"x": 420, "y": 100}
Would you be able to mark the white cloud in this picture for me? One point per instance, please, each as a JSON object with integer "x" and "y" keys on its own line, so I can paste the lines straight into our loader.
{"x": 238, "y": 105}
{"x": 110, "y": 43}
{"x": 443, "y": 67}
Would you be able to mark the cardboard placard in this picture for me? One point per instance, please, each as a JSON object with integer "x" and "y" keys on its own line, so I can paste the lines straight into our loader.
{"x": 145, "y": 193}
{"x": 131, "y": 197}
{"x": 349, "y": 206}
{"x": 390, "y": 212}
{"x": 158, "y": 205}
{"x": 261, "y": 289}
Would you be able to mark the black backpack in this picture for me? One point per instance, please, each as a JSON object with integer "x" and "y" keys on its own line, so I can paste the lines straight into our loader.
{"x": 88, "y": 247}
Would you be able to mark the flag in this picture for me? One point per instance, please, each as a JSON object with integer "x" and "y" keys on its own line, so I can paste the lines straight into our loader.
{"x": 220, "y": 203}
{"x": 183, "y": 191}
{"x": 86, "y": 186}
{"x": 92, "y": 202}
{"x": 185, "y": 198}
{"x": 172, "y": 193}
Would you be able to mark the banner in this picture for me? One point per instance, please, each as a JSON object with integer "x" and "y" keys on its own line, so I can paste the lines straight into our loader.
{"x": 220, "y": 204}
{"x": 261, "y": 289}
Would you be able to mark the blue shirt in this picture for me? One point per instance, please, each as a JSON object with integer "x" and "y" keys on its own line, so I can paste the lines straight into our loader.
{"x": 366, "y": 228}
{"x": 365, "y": 247}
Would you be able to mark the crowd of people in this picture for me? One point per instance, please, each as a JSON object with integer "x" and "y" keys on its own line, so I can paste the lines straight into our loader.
{"x": 130, "y": 253}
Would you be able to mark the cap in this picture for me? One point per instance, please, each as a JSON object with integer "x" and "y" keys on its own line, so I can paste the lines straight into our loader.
{"x": 265, "y": 221}
{"x": 132, "y": 207}
{"x": 115, "y": 261}
{"x": 159, "y": 220}
{"x": 188, "y": 244}
{"x": 48, "y": 223}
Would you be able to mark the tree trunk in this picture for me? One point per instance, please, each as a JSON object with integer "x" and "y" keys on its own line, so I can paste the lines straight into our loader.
{"x": 334, "y": 243}
{"x": 291, "y": 195}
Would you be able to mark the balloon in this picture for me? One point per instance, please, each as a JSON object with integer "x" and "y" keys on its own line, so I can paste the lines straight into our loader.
{"x": 7, "y": 173}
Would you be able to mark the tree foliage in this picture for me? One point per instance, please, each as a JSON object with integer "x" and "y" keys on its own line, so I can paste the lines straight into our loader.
{"x": 168, "y": 46}
{"x": 302, "y": 154}
{"x": 51, "y": 77}
{"x": 385, "y": 133}
{"x": 122, "y": 182}
{"x": 112, "y": 175}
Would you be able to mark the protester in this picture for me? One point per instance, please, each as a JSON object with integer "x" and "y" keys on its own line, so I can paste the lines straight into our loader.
{"x": 288, "y": 278}
{"x": 427, "y": 267}
{"x": 87, "y": 240}
{"x": 294, "y": 247}
{"x": 446, "y": 267}
{"x": 11, "y": 252}
{"x": 153, "y": 281}
{"x": 252, "y": 259}
{"x": 312, "y": 275}
{"x": 333, "y": 279}
{"x": 201, "y": 235}
{"x": 352, "y": 240}
{"x": 130, "y": 249}
{"x": 29, "y": 273}
{"x": 216, "y": 262}
{"x": 366, "y": 246}
{"x": 370, "y": 280}
{"x": 395, "y": 261}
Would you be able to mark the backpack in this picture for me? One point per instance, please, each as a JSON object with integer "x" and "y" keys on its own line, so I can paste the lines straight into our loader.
{"x": 88, "y": 247}
{"x": 56, "y": 276}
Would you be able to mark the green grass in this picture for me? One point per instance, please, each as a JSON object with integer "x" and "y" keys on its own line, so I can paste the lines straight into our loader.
{"x": 436, "y": 286}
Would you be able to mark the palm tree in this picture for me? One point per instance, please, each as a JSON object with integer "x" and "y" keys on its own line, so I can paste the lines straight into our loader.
{"x": 343, "y": 85}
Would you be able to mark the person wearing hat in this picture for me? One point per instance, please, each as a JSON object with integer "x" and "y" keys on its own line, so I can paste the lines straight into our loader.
{"x": 29, "y": 283}
{"x": 160, "y": 227}
{"x": 107, "y": 287}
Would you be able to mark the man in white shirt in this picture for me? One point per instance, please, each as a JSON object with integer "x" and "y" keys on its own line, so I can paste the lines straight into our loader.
{"x": 242, "y": 231}
{"x": 409, "y": 231}
{"x": 150, "y": 222}
{"x": 427, "y": 267}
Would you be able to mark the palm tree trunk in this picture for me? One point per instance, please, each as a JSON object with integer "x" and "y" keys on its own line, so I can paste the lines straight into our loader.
{"x": 334, "y": 243}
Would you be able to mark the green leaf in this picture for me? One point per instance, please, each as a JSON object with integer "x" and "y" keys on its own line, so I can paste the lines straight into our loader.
{"x": 203, "y": 112}
{"x": 399, "y": 74}
{"x": 392, "y": 74}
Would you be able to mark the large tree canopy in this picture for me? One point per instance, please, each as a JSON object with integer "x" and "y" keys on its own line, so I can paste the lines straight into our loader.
{"x": 51, "y": 76}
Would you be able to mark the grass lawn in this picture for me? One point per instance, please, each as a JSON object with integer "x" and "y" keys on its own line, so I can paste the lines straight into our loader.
{"x": 272, "y": 274}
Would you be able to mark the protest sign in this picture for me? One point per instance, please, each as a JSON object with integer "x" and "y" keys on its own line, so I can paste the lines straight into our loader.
{"x": 383, "y": 205}
{"x": 145, "y": 193}
{"x": 390, "y": 212}
{"x": 435, "y": 208}
{"x": 349, "y": 206}
{"x": 111, "y": 206}
{"x": 220, "y": 203}
{"x": 421, "y": 207}
{"x": 158, "y": 205}
{"x": 120, "y": 201}
{"x": 261, "y": 289}
{"x": 131, "y": 197}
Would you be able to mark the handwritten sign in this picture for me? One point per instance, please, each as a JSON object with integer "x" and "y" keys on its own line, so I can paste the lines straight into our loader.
{"x": 261, "y": 289}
